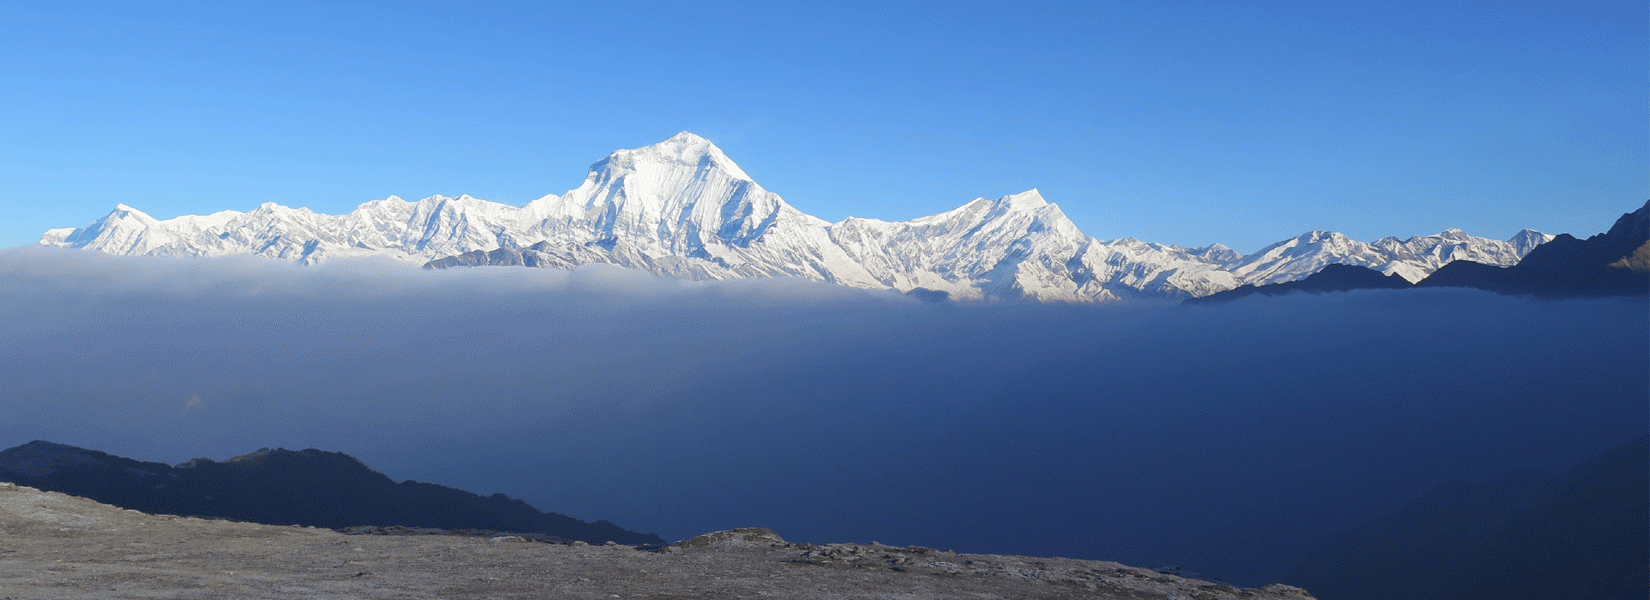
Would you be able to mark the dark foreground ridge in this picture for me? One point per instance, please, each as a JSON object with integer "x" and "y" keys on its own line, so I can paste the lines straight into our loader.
{"x": 1332, "y": 278}
{"x": 1613, "y": 263}
{"x": 61, "y": 547}
{"x": 1607, "y": 264}
{"x": 287, "y": 487}
{"x": 1579, "y": 535}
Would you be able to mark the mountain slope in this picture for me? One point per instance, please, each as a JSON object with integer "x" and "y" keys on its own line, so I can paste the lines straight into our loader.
{"x": 682, "y": 208}
{"x": 1332, "y": 278}
{"x": 1602, "y": 265}
{"x": 306, "y": 487}
{"x": 1411, "y": 259}
{"x": 1608, "y": 264}
{"x": 1581, "y": 535}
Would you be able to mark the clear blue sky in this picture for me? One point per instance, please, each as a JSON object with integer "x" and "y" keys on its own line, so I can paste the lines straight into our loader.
{"x": 1176, "y": 122}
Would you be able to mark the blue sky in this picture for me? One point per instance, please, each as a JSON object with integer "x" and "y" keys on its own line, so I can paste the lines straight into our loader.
{"x": 1185, "y": 123}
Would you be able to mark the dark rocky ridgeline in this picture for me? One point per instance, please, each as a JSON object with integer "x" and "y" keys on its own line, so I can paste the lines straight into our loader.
{"x": 1608, "y": 264}
{"x": 1333, "y": 278}
{"x": 1613, "y": 263}
{"x": 286, "y": 487}
{"x": 1582, "y": 535}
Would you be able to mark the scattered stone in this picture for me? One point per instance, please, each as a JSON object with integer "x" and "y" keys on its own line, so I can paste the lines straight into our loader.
{"x": 59, "y": 547}
{"x": 746, "y": 536}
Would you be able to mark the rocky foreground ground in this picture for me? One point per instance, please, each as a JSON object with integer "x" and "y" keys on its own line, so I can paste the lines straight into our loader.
{"x": 57, "y": 547}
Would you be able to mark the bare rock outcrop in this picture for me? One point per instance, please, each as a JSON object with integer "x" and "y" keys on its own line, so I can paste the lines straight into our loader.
{"x": 58, "y": 547}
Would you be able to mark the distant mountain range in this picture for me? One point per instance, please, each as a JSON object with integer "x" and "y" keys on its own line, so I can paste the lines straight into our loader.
{"x": 287, "y": 487}
{"x": 682, "y": 208}
{"x": 1608, "y": 264}
{"x": 1613, "y": 263}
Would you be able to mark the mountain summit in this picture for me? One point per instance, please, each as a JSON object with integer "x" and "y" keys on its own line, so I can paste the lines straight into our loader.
{"x": 683, "y": 208}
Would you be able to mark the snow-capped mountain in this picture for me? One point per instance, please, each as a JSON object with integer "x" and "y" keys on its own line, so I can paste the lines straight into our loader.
{"x": 410, "y": 231}
{"x": 1413, "y": 259}
{"x": 683, "y": 208}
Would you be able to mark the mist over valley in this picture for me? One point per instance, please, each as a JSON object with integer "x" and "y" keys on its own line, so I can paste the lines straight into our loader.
{"x": 1225, "y": 438}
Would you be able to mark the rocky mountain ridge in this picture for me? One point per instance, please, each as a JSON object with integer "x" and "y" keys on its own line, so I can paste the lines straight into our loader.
{"x": 1581, "y": 533}
{"x": 682, "y": 208}
{"x": 60, "y": 546}
{"x": 1601, "y": 265}
{"x": 1608, "y": 264}
{"x": 283, "y": 487}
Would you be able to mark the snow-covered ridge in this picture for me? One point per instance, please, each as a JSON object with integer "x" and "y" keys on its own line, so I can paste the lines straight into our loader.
{"x": 683, "y": 208}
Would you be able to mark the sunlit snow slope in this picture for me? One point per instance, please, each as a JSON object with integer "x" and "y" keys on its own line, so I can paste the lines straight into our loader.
{"x": 682, "y": 208}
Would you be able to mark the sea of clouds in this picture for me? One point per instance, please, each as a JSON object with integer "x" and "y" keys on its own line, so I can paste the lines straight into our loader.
{"x": 1222, "y": 438}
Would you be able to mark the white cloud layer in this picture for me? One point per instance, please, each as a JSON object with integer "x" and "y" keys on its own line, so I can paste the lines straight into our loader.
{"x": 1219, "y": 437}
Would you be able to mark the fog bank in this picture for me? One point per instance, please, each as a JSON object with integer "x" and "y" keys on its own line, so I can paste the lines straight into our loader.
{"x": 1222, "y": 438}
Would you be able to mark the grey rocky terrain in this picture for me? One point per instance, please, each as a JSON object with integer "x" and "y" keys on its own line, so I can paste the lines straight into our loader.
{"x": 56, "y": 546}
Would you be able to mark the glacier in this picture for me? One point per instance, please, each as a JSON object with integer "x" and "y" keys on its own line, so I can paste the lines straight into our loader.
{"x": 682, "y": 208}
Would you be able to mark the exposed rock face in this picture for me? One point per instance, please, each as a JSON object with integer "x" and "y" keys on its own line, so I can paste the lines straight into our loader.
{"x": 64, "y": 547}
{"x": 305, "y": 487}
{"x": 1639, "y": 260}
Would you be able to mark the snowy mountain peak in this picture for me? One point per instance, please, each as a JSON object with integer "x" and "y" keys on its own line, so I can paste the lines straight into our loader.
{"x": 123, "y": 212}
{"x": 1027, "y": 199}
{"x": 686, "y": 138}
{"x": 1526, "y": 240}
{"x": 682, "y": 149}
{"x": 682, "y": 208}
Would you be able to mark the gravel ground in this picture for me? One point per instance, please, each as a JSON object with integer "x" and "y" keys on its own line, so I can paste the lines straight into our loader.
{"x": 60, "y": 547}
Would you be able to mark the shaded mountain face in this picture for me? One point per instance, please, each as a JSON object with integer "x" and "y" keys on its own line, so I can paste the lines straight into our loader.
{"x": 1581, "y": 535}
{"x": 682, "y": 208}
{"x": 1602, "y": 265}
{"x": 285, "y": 487}
{"x": 1614, "y": 263}
{"x": 1333, "y": 278}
